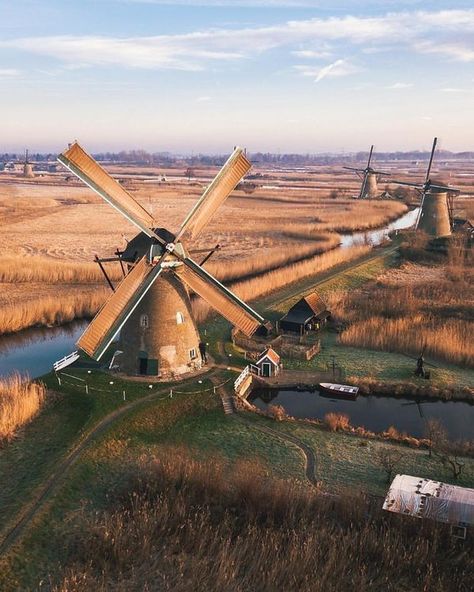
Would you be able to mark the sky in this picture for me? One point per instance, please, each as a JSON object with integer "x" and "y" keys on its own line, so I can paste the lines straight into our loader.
{"x": 190, "y": 76}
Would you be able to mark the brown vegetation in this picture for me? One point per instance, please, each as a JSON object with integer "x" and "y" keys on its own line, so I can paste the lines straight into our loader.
{"x": 52, "y": 271}
{"x": 48, "y": 310}
{"x": 414, "y": 308}
{"x": 20, "y": 401}
{"x": 183, "y": 525}
{"x": 273, "y": 280}
{"x": 336, "y": 421}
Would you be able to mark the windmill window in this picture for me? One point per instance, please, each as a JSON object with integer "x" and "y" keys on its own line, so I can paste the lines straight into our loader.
{"x": 192, "y": 353}
{"x": 179, "y": 318}
{"x": 144, "y": 321}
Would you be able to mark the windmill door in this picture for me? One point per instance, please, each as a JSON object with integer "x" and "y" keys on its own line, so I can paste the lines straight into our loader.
{"x": 152, "y": 369}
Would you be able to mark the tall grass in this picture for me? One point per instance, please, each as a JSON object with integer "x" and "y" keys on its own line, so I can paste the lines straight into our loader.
{"x": 449, "y": 340}
{"x": 183, "y": 525}
{"x": 274, "y": 280}
{"x": 20, "y": 401}
{"x": 52, "y": 271}
{"x": 236, "y": 269}
{"x": 48, "y": 311}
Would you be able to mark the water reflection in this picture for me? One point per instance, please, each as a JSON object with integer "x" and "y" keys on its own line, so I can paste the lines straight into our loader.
{"x": 33, "y": 351}
{"x": 375, "y": 237}
{"x": 375, "y": 413}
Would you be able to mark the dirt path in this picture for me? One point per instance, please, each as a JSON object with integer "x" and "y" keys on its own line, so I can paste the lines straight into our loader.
{"x": 30, "y": 510}
{"x": 310, "y": 457}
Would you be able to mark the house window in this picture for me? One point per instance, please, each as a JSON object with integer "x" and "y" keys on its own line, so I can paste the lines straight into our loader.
{"x": 144, "y": 321}
{"x": 179, "y": 318}
{"x": 192, "y": 353}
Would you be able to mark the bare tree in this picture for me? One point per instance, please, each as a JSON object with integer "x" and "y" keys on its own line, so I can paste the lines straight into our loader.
{"x": 434, "y": 432}
{"x": 389, "y": 459}
{"x": 447, "y": 453}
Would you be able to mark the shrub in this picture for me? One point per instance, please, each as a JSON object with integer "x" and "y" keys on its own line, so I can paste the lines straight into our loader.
{"x": 336, "y": 421}
{"x": 277, "y": 412}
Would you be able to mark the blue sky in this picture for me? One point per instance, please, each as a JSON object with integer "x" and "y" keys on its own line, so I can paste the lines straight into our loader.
{"x": 204, "y": 75}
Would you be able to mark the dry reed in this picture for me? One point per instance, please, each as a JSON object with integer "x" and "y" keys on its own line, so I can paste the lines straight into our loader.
{"x": 274, "y": 280}
{"x": 182, "y": 525}
{"x": 52, "y": 271}
{"x": 450, "y": 340}
{"x": 49, "y": 311}
{"x": 20, "y": 401}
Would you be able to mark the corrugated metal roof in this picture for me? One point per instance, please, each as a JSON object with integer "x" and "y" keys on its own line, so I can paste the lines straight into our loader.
{"x": 424, "y": 498}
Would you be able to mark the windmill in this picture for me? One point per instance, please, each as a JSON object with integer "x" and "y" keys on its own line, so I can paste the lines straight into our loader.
{"x": 151, "y": 306}
{"x": 27, "y": 167}
{"x": 435, "y": 216}
{"x": 369, "y": 178}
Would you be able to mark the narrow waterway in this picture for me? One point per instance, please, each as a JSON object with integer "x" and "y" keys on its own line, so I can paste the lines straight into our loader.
{"x": 376, "y": 414}
{"x": 377, "y": 236}
{"x": 33, "y": 351}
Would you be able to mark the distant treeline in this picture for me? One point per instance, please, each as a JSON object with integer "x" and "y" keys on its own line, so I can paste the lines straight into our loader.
{"x": 142, "y": 157}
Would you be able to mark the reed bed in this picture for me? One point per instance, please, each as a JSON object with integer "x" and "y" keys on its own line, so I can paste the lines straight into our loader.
{"x": 49, "y": 311}
{"x": 274, "y": 280}
{"x": 231, "y": 270}
{"x": 449, "y": 340}
{"x": 52, "y": 271}
{"x": 20, "y": 401}
{"x": 182, "y": 525}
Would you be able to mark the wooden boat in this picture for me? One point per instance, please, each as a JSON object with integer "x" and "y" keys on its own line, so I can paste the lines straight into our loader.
{"x": 338, "y": 391}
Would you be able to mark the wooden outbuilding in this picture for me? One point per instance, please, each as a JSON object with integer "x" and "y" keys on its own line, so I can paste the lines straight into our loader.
{"x": 268, "y": 363}
{"x": 308, "y": 314}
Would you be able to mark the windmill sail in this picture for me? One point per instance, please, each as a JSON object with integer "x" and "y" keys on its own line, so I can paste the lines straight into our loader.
{"x": 217, "y": 192}
{"x": 220, "y": 298}
{"x": 88, "y": 170}
{"x": 118, "y": 308}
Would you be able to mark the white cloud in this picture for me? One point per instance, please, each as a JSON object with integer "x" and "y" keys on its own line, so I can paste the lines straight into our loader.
{"x": 425, "y": 32}
{"x": 454, "y": 90}
{"x": 9, "y": 73}
{"x": 455, "y": 51}
{"x": 203, "y": 99}
{"x": 399, "y": 85}
{"x": 338, "y": 68}
{"x": 310, "y": 54}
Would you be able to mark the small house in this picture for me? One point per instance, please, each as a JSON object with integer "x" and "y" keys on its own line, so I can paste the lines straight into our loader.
{"x": 308, "y": 314}
{"x": 424, "y": 498}
{"x": 268, "y": 363}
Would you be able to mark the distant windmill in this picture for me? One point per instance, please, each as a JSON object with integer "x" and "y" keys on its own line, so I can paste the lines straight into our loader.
{"x": 27, "y": 167}
{"x": 151, "y": 306}
{"x": 369, "y": 178}
{"x": 435, "y": 216}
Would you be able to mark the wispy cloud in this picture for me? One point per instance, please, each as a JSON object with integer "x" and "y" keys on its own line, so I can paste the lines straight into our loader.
{"x": 399, "y": 85}
{"x": 421, "y": 31}
{"x": 10, "y": 73}
{"x": 337, "y": 68}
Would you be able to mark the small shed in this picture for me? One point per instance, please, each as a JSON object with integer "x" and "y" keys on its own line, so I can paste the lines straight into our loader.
{"x": 424, "y": 498}
{"x": 308, "y": 314}
{"x": 268, "y": 363}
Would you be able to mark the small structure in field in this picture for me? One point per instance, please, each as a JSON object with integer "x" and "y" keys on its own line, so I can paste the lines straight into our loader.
{"x": 27, "y": 168}
{"x": 268, "y": 363}
{"x": 423, "y": 498}
{"x": 308, "y": 314}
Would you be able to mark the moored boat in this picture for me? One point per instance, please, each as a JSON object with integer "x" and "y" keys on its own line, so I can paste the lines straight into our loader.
{"x": 338, "y": 391}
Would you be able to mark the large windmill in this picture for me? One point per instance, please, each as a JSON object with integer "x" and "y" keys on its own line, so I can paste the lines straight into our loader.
{"x": 27, "y": 167}
{"x": 435, "y": 216}
{"x": 369, "y": 178}
{"x": 151, "y": 306}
